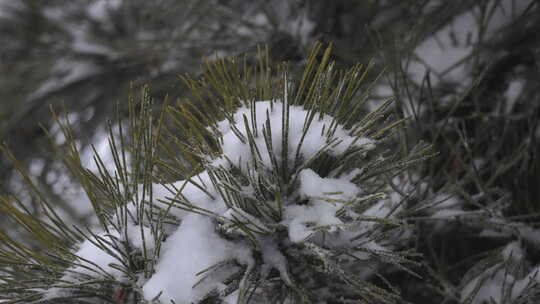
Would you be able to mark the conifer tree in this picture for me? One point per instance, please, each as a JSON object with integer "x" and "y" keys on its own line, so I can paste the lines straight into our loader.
{"x": 458, "y": 228}
{"x": 286, "y": 197}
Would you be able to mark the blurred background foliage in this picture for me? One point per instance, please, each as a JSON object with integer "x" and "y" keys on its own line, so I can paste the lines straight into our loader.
{"x": 466, "y": 72}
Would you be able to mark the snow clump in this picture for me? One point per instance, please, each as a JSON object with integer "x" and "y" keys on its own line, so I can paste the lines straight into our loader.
{"x": 223, "y": 237}
{"x": 264, "y": 200}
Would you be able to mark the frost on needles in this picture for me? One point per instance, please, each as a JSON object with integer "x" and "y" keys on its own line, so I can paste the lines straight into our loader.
{"x": 287, "y": 196}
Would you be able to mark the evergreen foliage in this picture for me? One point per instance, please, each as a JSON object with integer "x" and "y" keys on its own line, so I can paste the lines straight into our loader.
{"x": 257, "y": 194}
{"x": 209, "y": 163}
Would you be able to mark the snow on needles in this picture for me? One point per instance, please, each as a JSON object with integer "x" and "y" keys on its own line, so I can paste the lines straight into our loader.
{"x": 196, "y": 257}
{"x": 324, "y": 195}
{"x": 307, "y": 142}
{"x": 196, "y": 245}
{"x": 95, "y": 257}
{"x": 493, "y": 283}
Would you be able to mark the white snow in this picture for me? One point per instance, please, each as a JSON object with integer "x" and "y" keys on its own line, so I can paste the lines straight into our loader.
{"x": 492, "y": 282}
{"x": 89, "y": 251}
{"x": 513, "y": 251}
{"x": 299, "y": 217}
{"x": 314, "y": 141}
{"x": 194, "y": 247}
{"x": 446, "y": 53}
{"x": 275, "y": 259}
{"x": 232, "y": 298}
{"x": 100, "y": 148}
{"x": 491, "y": 288}
{"x": 314, "y": 186}
{"x": 99, "y": 9}
{"x": 78, "y": 205}
{"x": 512, "y": 93}
{"x": 190, "y": 191}
{"x": 520, "y": 285}
{"x": 91, "y": 261}
{"x": 36, "y": 166}
{"x": 442, "y": 52}
{"x": 326, "y": 196}
{"x": 196, "y": 244}
{"x": 140, "y": 237}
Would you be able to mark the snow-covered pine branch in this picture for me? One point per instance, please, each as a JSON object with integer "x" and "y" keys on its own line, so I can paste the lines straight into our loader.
{"x": 285, "y": 197}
